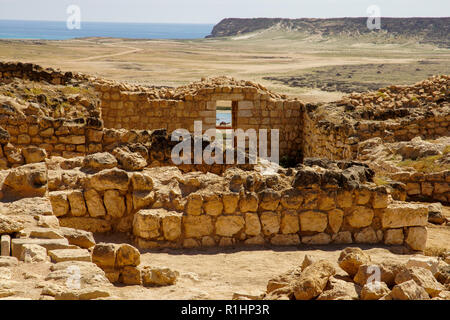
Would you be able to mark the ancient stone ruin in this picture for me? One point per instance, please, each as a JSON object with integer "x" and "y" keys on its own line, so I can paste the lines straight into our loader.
{"x": 96, "y": 158}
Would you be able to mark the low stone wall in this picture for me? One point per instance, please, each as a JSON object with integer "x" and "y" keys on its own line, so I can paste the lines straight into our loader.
{"x": 394, "y": 114}
{"x": 427, "y": 127}
{"x": 339, "y": 141}
{"x": 399, "y": 113}
{"x": 59, "y": 137}
{"x": 434, "y": 187}
{"x": 33, "y": 72}
{"x": 318, "y": 208}
{"x": 324, "y": 139}
{"x": 31, "y": 143}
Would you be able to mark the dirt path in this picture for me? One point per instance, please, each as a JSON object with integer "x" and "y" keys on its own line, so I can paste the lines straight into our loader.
{"x": 133, "y": 50}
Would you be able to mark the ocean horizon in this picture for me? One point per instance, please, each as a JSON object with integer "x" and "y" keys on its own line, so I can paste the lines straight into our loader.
{"x": 57, "y": 30}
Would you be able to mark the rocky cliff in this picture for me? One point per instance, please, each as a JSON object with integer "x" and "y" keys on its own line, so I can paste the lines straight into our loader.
{"x": 426, "y": 30}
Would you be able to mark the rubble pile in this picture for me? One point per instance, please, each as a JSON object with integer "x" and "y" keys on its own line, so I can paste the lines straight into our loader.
{"x": 356, "y": 277}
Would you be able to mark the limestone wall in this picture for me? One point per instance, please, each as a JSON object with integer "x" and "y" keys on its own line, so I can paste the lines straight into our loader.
{"x": 34, "y": 142}
{"x": 323, "y": 139}
{"x": 183, "y": 214}
{"x": 426, "y": 187}
{"x": 428, "y": 127}
{"x": 59, "y": 137}
{"x": 256, "y": 109}
{"x": 396, "y": 113}
{"x": 29, "y": 71}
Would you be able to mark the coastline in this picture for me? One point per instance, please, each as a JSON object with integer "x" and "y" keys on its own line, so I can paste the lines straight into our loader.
{"x": 57, "y": 30}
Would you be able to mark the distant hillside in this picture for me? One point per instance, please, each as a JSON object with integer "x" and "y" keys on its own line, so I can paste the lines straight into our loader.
{"x": 425, "y": 30}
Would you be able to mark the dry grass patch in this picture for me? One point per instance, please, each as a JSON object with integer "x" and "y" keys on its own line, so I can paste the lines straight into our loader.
{"x": 428, "y": 164}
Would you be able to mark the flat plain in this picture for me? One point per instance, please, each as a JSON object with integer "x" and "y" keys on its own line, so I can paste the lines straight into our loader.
{"x": 309, "y": 67}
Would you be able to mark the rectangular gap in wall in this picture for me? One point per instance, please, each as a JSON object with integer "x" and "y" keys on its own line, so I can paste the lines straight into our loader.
{"x": 224, "y": 118}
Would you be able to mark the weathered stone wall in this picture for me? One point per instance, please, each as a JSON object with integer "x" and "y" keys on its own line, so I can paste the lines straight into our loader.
{"x": 59, "y": 137}
{"x": 256, "y": 109}
{"x": 313, "y": 210}
{"x": 36, "y": 141}
{"x": 33, "y": 72}
{"x": 325, "y": 140}
{"x": 426, "y": 186}
{"x": 395, "y": 113}
{"x": 171, "y": 208}
{"x": 427, "y": 127}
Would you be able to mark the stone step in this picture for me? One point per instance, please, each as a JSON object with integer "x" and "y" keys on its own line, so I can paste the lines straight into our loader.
{"x": 83, "y": 294}
{"x": 61, "y": 255}
{"x": 27, "y": 206}
{"x": 90, "y": 274}
{"x": 81, "y": 238}
{"x": 49, "y": 244}
{"x": 42, "y": 233}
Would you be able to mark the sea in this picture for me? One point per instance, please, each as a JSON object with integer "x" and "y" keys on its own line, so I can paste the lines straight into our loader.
{"x": 223, "y": 117}
{"x": 58, "y": 30}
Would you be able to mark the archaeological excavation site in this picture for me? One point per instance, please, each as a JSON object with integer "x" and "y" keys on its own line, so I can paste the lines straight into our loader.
{"x": 94, "y": 207}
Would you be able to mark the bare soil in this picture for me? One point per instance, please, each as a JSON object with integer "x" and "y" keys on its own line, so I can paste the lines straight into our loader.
{"x": 218, "y": 273}
{"x": 312, "y": 64}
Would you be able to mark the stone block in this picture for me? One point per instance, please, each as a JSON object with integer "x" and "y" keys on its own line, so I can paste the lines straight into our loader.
{"x": 398, "y": 215}
{"x": 228, "y": 226}
{"x": 360, "y": 217}
{"x": 313, "y": 221}
{"x": 197, "y": 226}
{"x": 270, "y": 222}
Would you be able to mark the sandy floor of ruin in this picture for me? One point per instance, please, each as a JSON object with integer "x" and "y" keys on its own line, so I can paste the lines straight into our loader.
{"x": 219, "y": 273}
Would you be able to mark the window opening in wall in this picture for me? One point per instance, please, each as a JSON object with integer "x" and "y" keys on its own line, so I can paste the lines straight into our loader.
{"x": 226, "y": 112}
{"x": 224, "y": 118}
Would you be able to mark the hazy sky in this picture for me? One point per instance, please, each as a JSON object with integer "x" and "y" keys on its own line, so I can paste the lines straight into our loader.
{"x": 212, "y": 11}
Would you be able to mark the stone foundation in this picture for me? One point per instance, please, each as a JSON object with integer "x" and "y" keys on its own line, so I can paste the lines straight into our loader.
{"x": 434, "y": 187}
{"x": 326, "y": 140}
{"x": 170, "y": 209}
{"x": 30, "y": 71}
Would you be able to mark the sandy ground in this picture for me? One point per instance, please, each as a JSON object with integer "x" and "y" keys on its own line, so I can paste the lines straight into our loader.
{"x": 439, "y": 235}
{"x": 214, "y": 274}
{"x": 209, "y": 274}
{"x": 218, "y": 273}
